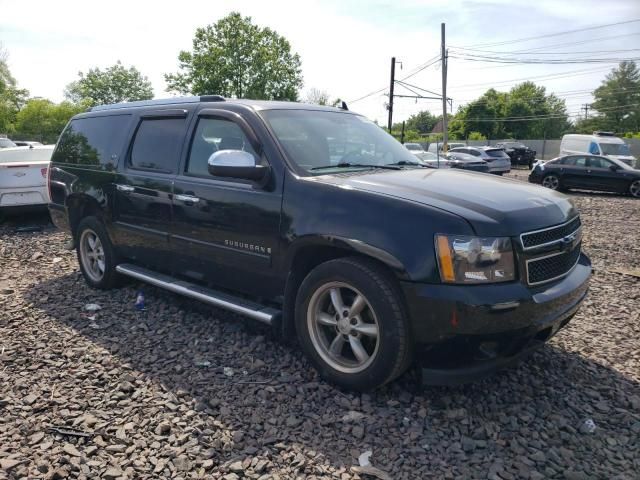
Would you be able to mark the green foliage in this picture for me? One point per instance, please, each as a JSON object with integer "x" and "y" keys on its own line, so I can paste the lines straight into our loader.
{"x": 114, "y": 85}
{"x": 484, "y": 115}
{"x": 476, "y": 136}
{"x": 236, "y": 58}
{"x": 43, "y": 120}
{"x": 617, "y": 100}
{"x": 12, "y": 98}
{"x": 635, "y": 135}
{"x": 422, "y": 122}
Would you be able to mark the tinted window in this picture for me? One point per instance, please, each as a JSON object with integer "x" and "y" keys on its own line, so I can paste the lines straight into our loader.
{"x": 213, "y": 134}
{"x": 596, "y": 162}
{"x": 92, "y": 141}
{"x": 579, "y": 162}
{"x": 614, "y": 149}
{"x": 157, "y": 144}
{"x": 496, "y": 153}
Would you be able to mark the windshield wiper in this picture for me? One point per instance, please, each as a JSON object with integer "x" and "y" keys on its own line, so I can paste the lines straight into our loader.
{"x": 365, "y": 165}
{"x": 405, "y": 162}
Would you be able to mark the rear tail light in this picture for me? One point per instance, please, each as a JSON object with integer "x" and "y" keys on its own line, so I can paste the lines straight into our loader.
{"x": 44, "y": 171}
{"x": 48, "y": 173}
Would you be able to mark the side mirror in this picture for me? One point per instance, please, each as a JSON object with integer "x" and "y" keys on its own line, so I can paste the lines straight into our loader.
{"x": 236, "y": 164}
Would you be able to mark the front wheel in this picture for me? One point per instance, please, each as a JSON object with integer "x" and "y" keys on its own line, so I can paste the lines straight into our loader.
{"x": 634, "y": 189}
{"x": 352, "y": 324}
{"x": 551, "y": 181}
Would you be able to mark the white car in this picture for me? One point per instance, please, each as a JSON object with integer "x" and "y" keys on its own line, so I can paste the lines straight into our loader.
{"x": 23, "y": 176}
{"x": 499, "y": 162}
{"x": 414, "y": 148}
{"x": 605, "y": 144}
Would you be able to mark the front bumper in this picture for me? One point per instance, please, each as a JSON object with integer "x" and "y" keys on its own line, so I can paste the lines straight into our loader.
{"x": 463, "y": 331}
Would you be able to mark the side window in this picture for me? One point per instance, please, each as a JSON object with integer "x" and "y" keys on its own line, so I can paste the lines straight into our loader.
{"x": 211, "y": 135}
{"x": 597, "y": 162}
{"x": 92, "y": 140}
{"x": 157, "y": 144}
{"x": 593, "y": 148}
{"x": 580, "y": 162}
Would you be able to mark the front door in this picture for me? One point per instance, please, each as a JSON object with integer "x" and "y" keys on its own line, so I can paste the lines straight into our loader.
{"x": 225, "y": 230}
{"x": 144, "y": 187}
{"x": 603, "y": 178}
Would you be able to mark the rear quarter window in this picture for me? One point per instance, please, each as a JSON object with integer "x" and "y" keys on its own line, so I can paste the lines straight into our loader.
{"x": 92, "y": 141}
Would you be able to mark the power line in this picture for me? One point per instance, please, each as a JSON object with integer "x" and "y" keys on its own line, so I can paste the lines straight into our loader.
{"x": 552, "y": 76}
{"x": 547, "y": 53}
{"x": 549, "y": 35}
{"x": 540, "y": 61}
{"x": 543, "y": 116}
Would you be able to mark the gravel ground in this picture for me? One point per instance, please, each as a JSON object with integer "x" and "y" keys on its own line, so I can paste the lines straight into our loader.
{"x": 183, "y": 391}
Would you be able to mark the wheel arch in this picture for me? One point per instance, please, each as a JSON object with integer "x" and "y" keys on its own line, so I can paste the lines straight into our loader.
{"x": 80, "y": 206}
{"x": 307, "y": 253}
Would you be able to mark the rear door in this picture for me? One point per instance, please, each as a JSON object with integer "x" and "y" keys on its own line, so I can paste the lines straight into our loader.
{"x": 603, "y": 178}
{"x": 225, "y": 230}
{"x": 573, "y": 172}
{"x": 144, "y": 187}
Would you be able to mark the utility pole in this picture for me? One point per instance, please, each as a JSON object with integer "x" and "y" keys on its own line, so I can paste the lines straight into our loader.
{"x": 585, "y": 107}
{"x": 391, "y": 84}
{"x": 402, "y": 134}
{"x": 443, "y": 57}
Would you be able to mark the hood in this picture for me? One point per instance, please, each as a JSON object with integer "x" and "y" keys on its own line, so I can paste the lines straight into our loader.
{"x": 494, "y": 206}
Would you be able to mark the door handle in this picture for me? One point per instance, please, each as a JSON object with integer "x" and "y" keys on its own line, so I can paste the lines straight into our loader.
{"x": 125, "y": 188}
{"x": 186, "y": 198}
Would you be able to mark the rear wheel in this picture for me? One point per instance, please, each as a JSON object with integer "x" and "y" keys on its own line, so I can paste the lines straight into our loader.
{"x": 551, "y": 181}
{"x": 95, "y": 254}
{"x": 352, "y": 325}
{"x": 634, "y": 188}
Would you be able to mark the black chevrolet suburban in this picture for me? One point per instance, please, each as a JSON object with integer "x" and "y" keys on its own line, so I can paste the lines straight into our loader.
{"x": 315, "y": 221}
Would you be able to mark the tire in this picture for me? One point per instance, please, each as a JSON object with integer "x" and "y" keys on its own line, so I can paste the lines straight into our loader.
{"x": 357, "y": 352}
{"x": 634, "y": 189}
{"x": 551, "y": 181}
{"x": 97, "y": 263}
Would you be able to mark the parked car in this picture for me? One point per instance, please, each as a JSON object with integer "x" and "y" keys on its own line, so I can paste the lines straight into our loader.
{"x": 600, "y": 143}
{"x": 496, "y": 158}
{"x": 26, "y": 143}
{"x": 6, "y": 143}
{"x": 467, "y": 161}
{"x": 519, "y": 153}
{"x": 23, "y": 176}
{"x": 414, "y": 148}
{"x": 589, "y": 172}
{"x": 373, "y": 259}
{"x": 436, "y": 147}
{"x": 432, "y": 160}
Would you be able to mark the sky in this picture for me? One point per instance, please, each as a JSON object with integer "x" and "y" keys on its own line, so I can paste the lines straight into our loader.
{"x": 345, "y": 45}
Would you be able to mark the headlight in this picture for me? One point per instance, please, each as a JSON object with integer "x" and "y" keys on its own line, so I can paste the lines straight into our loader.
{"x": 464, "y": 259}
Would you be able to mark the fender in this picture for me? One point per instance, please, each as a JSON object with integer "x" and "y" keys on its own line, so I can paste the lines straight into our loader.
{"x": 349, "y": 245}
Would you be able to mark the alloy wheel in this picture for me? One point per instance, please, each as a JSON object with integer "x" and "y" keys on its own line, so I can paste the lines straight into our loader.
{"x": 634, "y": 189}
{"x": 92, "y": 255}
{"x": 343, "y": 327}
{"x": 551, "y": 181}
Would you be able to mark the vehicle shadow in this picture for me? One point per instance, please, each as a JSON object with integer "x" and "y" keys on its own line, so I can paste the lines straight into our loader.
{"x": 272, "y": 395}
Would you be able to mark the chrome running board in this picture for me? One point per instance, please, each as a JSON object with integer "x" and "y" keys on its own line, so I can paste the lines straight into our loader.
{"x": 212, "y": 297}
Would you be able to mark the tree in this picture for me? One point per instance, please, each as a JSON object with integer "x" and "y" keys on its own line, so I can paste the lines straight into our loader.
{"x": 236, "y": 58}
{"x": 12, "y": 98}
{"x": 526, "y": 111}
{"x": 317, "y": 96}
{"x": 113, "y": 85}
{"x": 43, "y": 120}
{"x": 422, "y": 122}
{"x": 617, "y": 100}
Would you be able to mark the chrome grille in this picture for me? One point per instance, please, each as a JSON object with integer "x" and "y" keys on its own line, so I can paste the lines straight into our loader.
{"x": 551, "y": 267}
{"x": 549, "y": 235}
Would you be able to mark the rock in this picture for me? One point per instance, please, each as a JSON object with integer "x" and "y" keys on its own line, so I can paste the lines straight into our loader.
{"x": 236, "y": 467}
{"x": 538, "y": 456}
{"x": 231, "y": 476}
{"x": 29, "y": 399}
{"x": 357, "y": 431}
{"x": 8, "y": 464}
{"x": 182, "y": 463}
{"x": 71, "y": 450}
{"x": 112, "y": 474}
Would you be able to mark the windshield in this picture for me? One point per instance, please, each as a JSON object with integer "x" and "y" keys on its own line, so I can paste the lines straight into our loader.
{"x": 6, "y": 143}
{"x": 316, "y": 140}
{"x": 614, "y": 148}
{"x": 513, "y": 145}
{"x": 412, "y": 146}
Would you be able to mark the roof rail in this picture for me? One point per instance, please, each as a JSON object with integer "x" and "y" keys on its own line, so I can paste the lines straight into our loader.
{"x": 604, "y": 134}
{"x": 160, "y": 101}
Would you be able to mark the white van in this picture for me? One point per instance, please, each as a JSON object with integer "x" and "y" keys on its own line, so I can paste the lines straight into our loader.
{"x": 600, "y": 143}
